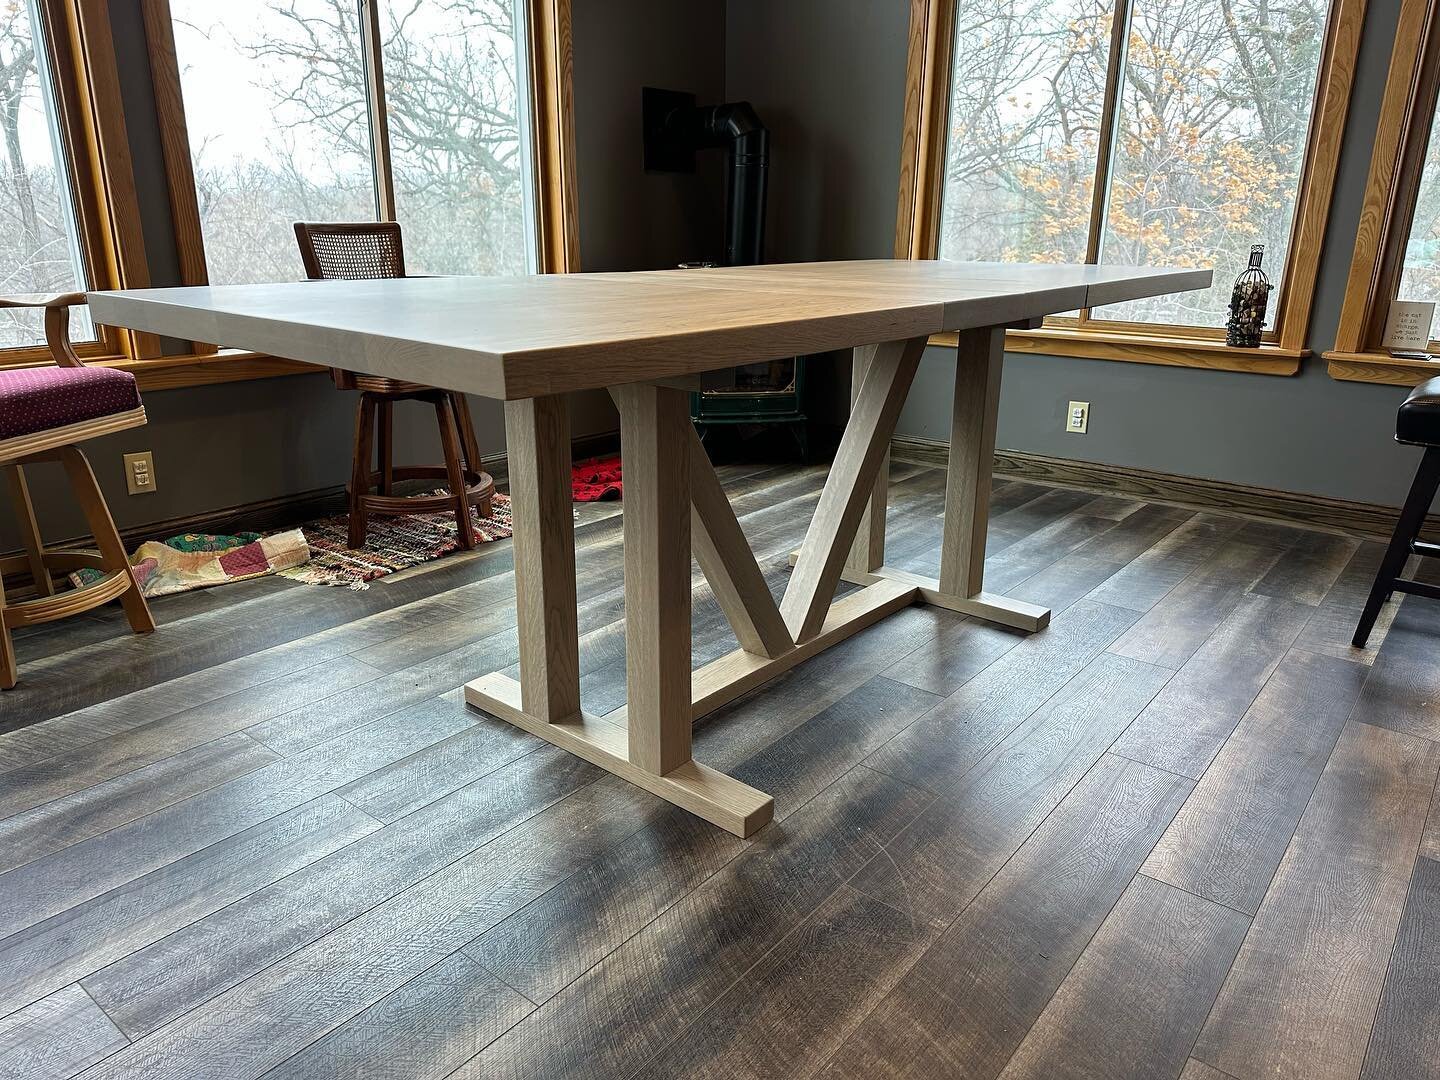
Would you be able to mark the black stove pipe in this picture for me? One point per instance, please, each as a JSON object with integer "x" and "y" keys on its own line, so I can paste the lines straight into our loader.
{"x": 736, "y": 128}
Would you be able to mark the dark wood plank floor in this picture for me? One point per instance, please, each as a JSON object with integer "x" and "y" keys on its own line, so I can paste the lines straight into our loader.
{"x": 1185, "y": 831}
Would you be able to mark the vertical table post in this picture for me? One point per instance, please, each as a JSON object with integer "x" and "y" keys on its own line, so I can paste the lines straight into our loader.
{"x": 867, "y": 552}
{"x": 979, "y": 354}
{"x": 655, "y": 441}
{"x": 537, "y": 437}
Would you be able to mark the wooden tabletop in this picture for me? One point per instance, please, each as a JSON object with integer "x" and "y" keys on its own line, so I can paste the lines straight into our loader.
{"x": 517, "y": 337}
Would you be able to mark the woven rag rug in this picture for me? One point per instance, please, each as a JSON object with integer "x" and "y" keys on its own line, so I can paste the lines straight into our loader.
{"x": 391, "y": 544}
{"x": 199, "y": 560}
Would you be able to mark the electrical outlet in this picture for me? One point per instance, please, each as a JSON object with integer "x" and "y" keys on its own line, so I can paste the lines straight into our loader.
{"x": 140, "y": 473}
{"x": 1077, "y": 417}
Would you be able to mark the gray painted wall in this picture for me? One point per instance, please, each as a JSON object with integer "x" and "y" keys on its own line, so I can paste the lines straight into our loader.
{"x": 225, "y": 445}
{"x": 828, "y": 75}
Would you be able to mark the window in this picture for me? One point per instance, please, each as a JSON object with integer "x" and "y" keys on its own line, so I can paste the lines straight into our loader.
{"x": 1397, "y": 245}
{"x": 1176, "y": 132}
{"x": 40, "y": 245}
{"x": 291, "y": 115}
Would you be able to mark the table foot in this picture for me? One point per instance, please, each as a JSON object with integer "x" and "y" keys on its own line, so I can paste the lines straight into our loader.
{"x": 719, "y": 799}
{"x": 1004, "y": 610}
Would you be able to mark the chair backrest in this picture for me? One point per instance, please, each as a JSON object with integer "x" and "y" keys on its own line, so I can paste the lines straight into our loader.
{"x": 361, "y": 249}
{"x": 57, "y": 320}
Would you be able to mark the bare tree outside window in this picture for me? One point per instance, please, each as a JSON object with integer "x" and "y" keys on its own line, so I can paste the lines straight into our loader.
{"x": 279, "y": 121}
{"x": 1213, "y": 113}
{"x": 39, "y": 250}
{"x": 1420, "y": 274}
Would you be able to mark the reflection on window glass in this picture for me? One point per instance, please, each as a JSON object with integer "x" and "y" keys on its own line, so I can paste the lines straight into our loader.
{"x": 39, "y": 247}
{"x": 453, "y": 101}
{"x": 1214, "y": 115}
{"x": 1024, "y": 129}
{"x": 1420, "y": 276}
{"x": 279, "y": 127}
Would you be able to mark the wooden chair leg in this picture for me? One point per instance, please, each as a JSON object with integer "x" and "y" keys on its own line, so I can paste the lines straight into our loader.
{"x": 360, "y": 470}
{"x": 450, "y": 444}
{"x": 1412, "y": 517}
{"x": 387, "y": 446}
{"x": 468, "y": 443}
{"x": 471, "y": 446}
{"x": 107, "y": 539}
{"x": 8, "y": 673}
{"x": 29, "y": 530}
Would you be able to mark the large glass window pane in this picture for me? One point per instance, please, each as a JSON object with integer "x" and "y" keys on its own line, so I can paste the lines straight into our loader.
{"x": 1028, "y": 87}
{"x": 1420, "y": 275}
{"x": 39, "y": 245}
{"x": 279, "y": 128}
{"x": 1210, "y": 143}
{"x": 453, "y": 93}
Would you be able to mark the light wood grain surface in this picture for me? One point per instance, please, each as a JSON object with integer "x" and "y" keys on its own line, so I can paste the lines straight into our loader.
{"x": 526, "y": 336}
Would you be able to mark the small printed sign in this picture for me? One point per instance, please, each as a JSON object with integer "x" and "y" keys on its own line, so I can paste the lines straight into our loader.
{"x": 1407, "y": 330}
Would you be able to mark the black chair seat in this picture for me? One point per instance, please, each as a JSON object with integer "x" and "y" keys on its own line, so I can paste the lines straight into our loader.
{"x": 1418, "y": 421}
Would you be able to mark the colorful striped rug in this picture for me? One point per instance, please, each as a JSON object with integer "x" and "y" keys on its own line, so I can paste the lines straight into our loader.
{"x": 391, "y": 544}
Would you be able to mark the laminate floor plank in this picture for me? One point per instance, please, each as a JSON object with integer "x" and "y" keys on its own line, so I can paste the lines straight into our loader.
{"x": 938, "y": 864}
{"x": 619, "y": 1013}
{"x": 273, "y": 1015}
{"x": 1333, "y": 625}
{"x": 425, "y": 1028}
{"x": 1405, "y": 1039}
{"x": 1309, "y": 568}
{"x": 1088, "y": 566}
{"x": 1190, "y": 720}
{"x": 74, "y": 874}
{"x": 56, "y": 1037}
{"x": 962, "y": 1009}
{"x": 960, "y": 650}
{"x": 795, "y": 1006}
{"x": 152, "y": 986}
{"x": 1229, "y": 837}
{"x": 54, "y": 825}
{"x": 1149, "y": 577}
{"x": 85, "y": 766}
{"x": 390, "y": 793}
{"x": 736, "y": 732}
{"x": 548, "y": 944}
{"x": 1302, "y": 995}
{"x": 66, "y": 947}
{"x": 1131, "y": 1006}
{"x": 1401, "y": 692}
{"x": 966, "y": 725}
{"x": 1171, "y": 631}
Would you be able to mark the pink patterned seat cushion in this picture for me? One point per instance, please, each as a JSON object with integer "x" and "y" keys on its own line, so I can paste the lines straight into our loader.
{"x": 40, "y": 398}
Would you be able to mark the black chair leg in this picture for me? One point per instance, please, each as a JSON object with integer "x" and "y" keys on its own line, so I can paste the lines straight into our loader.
{"x": 1412, "y": 516}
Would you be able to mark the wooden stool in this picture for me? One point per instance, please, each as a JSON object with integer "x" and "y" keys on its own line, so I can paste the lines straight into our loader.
{"x": 43, "y": 413}
{"x": 1416, "y": 424}
{"x": 374, "y": 249}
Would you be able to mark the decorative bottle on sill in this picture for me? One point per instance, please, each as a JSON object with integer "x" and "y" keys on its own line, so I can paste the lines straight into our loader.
{"x": 1248, "y": 302}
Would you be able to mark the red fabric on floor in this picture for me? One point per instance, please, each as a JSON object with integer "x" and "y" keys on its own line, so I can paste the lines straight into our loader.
{"x": 591, "y": 481}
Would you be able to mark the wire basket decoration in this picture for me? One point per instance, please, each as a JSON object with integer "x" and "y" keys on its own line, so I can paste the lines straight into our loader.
{"x": 1248, "y": 302}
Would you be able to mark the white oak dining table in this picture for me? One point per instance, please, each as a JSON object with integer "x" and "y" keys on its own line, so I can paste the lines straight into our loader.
{"x": 645, "y": 337}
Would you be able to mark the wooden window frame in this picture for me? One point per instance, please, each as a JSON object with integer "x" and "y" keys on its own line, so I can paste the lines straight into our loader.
{"x": 80, "y": 55}
{"x": 548, "y": 64}
{"x": 922, "y": 169}
{"x": 1407, "y": 109}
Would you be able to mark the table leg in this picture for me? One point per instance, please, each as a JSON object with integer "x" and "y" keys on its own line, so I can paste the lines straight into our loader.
{"x": 979, "y": 354}
{"x": 867, "y": 553}
{"x": 652, "y": 748}
{"x": 537, "y": 438}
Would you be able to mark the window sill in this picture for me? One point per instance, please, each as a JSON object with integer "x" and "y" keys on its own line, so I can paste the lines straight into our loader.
{"x": 1150, "y": 349}
{"x": 1380, "y": 368}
